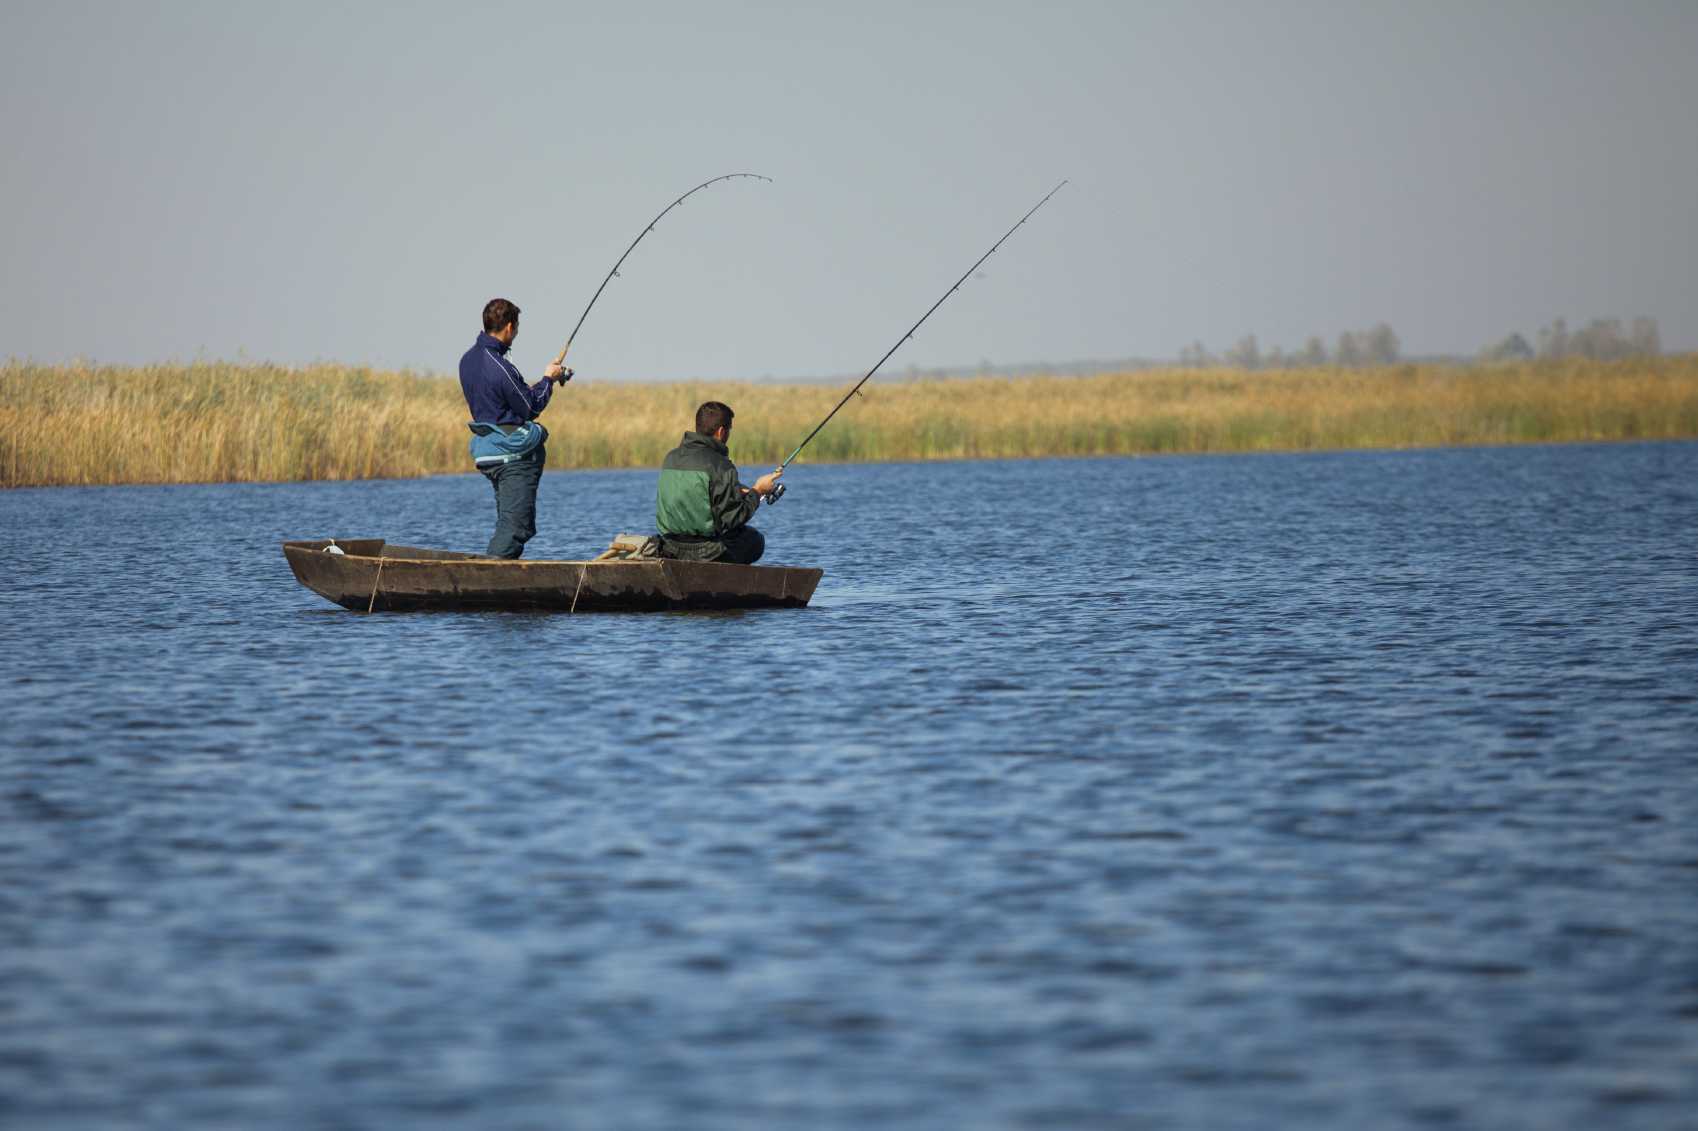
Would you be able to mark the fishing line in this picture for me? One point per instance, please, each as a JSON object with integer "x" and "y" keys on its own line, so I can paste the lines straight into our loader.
{"x": 1118, "y": 317}
{"x": 611, "y": 274}
{"x": 869, "y": 220}
{"x": 1175, "y": 252}
{"x": 778, "y": 488}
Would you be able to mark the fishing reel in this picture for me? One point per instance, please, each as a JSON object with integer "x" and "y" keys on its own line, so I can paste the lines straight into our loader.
{"x": 773, "y": 495}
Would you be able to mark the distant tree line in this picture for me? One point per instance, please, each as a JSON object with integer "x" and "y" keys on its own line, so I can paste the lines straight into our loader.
{"x": 1376, "y": 346}
{"x": 1602, "y": 339}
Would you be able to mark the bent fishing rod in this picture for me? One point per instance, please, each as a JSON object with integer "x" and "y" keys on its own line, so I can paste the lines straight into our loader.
{"x": 633, "y": 247}
{"x": 778, "y": 488}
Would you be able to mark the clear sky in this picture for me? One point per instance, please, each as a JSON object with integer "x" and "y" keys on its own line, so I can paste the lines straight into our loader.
{"x": 353, "y": 181}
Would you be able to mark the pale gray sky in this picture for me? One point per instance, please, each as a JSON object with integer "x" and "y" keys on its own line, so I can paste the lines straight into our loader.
{"x": 354, "y": 181}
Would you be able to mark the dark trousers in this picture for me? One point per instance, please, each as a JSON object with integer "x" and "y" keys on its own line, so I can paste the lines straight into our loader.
{"x": 515, "y": 503}
{"x": 743, "y": 546}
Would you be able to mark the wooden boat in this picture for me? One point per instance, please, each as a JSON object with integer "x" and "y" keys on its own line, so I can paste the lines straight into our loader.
{"x": 371, "y": 574}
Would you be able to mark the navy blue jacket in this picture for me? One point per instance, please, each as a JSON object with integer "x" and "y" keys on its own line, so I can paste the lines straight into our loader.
{"x": 495, "y": 392}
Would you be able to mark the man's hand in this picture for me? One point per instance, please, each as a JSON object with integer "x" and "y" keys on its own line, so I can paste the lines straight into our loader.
{"x": 763, "y": 485}
{"x": 557, "y": 372}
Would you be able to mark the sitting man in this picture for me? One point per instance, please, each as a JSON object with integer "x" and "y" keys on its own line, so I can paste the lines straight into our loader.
{"x": 700, "y": 507}
{"x": 507, "y": 441}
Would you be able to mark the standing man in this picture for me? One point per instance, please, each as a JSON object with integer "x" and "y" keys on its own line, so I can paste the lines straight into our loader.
{"x": 507, "y": 443}
{"x": 700, "y": 507}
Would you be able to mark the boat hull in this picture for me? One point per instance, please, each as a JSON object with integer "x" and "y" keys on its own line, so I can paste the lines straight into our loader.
{"x": 371, "y": 574}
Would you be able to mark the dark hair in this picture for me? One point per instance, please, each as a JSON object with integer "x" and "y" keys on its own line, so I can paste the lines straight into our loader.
{"x": 497, "y": 314}
{"x": 713, "y": 416}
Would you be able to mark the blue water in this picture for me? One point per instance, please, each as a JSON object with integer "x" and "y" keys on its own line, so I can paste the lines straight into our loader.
{"x": 1295, "y": 791}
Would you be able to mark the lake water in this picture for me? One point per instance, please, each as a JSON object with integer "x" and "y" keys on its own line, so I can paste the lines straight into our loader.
{"x": 1347, "y": 790}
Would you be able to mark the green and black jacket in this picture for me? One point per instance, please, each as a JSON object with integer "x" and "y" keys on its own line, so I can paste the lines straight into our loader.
{"x": 699, "y": 493}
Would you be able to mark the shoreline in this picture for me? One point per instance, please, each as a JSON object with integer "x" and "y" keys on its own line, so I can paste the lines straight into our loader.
{"x": 255, "y": 423}
{"x": 1560, "y": 443}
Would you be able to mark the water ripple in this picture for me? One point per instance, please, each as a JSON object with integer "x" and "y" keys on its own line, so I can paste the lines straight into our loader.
{"x": 1344, "y": 790}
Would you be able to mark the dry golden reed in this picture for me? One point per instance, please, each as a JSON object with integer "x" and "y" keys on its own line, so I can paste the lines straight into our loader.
{"x": 218, "y": 422}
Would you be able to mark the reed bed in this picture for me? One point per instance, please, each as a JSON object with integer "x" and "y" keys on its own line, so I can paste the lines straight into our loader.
{"x": 220, "y": 422}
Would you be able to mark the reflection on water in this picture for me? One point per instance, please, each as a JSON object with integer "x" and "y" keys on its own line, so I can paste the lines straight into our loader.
{"x": 1350, "y": 790}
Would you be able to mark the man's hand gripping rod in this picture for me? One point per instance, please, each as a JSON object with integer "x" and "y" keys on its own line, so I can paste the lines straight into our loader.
{"x": 778, "y": 488}
{"x": 562, "y": 358}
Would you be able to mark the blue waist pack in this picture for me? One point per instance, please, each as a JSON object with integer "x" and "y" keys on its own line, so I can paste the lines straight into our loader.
{"x": 492, "y": 448}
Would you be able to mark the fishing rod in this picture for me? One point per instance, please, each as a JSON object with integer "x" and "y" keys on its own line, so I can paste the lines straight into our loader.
{"x": 778, "y": 488}
{"x": 633, "y": 247}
